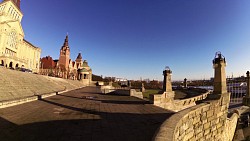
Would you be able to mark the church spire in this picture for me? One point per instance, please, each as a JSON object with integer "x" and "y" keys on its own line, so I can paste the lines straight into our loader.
{"x": 66, "y": 42}
{"x": 79, "y": 56}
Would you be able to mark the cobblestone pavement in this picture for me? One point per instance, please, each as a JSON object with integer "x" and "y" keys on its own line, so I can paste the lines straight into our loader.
{"x": 82, "y": 115}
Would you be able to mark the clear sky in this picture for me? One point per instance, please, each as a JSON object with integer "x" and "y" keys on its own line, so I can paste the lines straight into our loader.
{"x": 136, "y": 39}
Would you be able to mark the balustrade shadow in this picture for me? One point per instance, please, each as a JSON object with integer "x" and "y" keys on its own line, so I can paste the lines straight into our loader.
{"x": 138, "y": 102}
{"x": 7, "y": 129}
{"x": 69, "y": 96}
{"x": 69, "y": 107}
{"x": 118, "y": 99}
{"x": 95, "y": 98}
{"x": 92, "y": 124}
{"x": 109, "y": 126}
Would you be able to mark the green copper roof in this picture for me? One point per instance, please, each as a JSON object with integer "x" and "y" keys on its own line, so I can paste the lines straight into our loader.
{"x": 85, "y": 64}
{"x": 83, "y": 70}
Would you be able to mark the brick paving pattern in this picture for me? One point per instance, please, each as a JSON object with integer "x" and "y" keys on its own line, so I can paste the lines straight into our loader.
{"x": 82, "y": 115}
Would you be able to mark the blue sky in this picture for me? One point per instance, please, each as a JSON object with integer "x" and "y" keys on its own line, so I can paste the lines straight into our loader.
{"x": 136, "y": 39}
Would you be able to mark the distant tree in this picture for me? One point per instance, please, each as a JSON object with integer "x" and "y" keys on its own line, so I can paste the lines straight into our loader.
{"x": 96, "y": 78}
{"x": 137, "y": 84}
{"x": 109, "y": 79}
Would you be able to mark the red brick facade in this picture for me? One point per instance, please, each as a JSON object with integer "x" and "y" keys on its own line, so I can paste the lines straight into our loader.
{"x": 47, "y": 63}
{"x": 64, "y": 67}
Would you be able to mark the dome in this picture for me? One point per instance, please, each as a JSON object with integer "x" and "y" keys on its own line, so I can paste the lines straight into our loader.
{"x": 85, "y": 64}
{"x": 83, "y": 70}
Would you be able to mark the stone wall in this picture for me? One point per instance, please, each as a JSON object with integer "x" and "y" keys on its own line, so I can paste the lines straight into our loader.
{"x": 166, "y": 101}
{"x": 134, "y": 93}
{"x": 230, "y": 127}
{"x": 206, "y": 121}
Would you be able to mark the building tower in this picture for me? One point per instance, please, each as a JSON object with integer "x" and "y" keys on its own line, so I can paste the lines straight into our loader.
{"x": 15, "y": 51}
{"x": 16, "y": 2}
{"x": 79, "y": 61}
{"x": 64, "y": 57}
{"x": 219, "y": 64}
{"x": 85, "y": 74}
{"x": 167, "y": 85}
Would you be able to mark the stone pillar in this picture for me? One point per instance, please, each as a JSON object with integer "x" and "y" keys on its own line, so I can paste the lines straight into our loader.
{"x": 110, "y": 83}
{"x": 142, "y": 87}
{"x": 219, "y": 64}
{"x": 129, "y": 84}
{"x": 185, "y": 83}
{"x": 246, "y": 99}
{"x": 167, "y": 85}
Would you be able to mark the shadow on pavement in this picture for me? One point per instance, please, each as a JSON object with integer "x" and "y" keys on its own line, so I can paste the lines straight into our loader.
{"x": 110, "y": 127}
{"x": 93, "y": 124}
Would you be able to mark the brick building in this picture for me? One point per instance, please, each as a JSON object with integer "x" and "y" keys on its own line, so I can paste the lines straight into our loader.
{"x": 65, "y": 67}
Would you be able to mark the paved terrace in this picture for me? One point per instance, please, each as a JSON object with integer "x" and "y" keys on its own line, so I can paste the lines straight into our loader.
{"x": 82, "y": 115}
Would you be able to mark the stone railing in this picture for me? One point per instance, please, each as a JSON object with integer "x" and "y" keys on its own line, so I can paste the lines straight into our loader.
{"x": 230, "y": 127}
{"x": 4, "y": 104}
{"x": 206, "y": 121}
{"x": 9, "y": 103}
{"x": 120, "y": 91}
{"x": 166, "y": 101}
{"x": 185, "y": 103}
{"x": 134, "y": 93}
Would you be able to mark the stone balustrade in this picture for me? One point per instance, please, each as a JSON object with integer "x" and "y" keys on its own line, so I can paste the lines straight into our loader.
{"x": 167, "y": 101}
{"x": 121, "y": 91}
{"x": 206, "y": 121}
{"x": 4, "y": 104}
{"x": 185, "y": 103}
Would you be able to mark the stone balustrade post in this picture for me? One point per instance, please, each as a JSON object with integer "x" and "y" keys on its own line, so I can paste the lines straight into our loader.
{"x": 248, "y": 84}
{"x": 167, "y": 84}
{"x": 185, "y": 83}
{"x": 246, "y": 99}
{"x": 219, "y": 64}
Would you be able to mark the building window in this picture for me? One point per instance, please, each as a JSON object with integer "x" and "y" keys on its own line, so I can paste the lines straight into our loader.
{"x": 12, "y": 40}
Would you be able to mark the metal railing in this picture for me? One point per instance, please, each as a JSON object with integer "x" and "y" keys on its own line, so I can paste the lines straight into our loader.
{"x": 237, "y": 87}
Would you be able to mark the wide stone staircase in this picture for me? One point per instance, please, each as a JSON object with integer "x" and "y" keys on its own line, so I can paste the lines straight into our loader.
{"x": 17, "y": 85}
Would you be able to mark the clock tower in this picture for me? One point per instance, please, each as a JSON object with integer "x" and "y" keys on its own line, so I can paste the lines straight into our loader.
{"x": 64, "y": 55}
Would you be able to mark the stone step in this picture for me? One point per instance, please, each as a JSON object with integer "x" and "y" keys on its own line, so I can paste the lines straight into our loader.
{"x": 15, "y": 84}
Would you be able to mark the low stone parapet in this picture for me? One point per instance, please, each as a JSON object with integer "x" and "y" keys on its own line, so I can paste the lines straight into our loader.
{"x": 127, "y": 92}
{"x": 46, "y": 95}
{"x": 105, "y": 89}
{"x": 246, "y": 101}
{"x": 134, "y": 93}
{"x": 206, "y": 121}
{"x": 166, "y": 101}
{"x": 10, "y": 103}
{"x": 230, "y": 127}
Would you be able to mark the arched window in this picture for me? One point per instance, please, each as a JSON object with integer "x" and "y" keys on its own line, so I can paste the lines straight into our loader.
{"x": 2, "y": 63}
{"x": 11, "y": 65}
